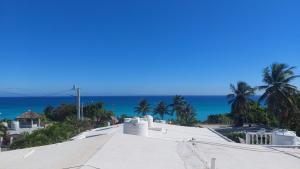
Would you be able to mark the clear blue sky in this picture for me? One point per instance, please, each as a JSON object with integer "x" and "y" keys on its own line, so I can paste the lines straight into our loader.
{"x": 111, "y": 47}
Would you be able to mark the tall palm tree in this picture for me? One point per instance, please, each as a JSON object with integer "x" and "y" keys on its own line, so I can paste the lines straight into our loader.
{"x": 279, "y": 93}
{"x": 178, "y": 105}
{"x": 161, "y": 109}
{"x": 143, "y": 108}
{"x": 240, "y": 100}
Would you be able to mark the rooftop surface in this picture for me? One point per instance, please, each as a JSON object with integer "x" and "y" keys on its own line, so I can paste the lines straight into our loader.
{"x": 29, "y": 115}
{"x": 109, "y": 148}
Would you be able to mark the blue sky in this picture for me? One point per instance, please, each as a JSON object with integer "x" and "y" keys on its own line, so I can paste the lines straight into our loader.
{"x": 111, "y": 47}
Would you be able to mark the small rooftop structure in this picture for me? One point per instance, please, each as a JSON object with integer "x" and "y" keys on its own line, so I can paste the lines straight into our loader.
{"x": 29, "y": 115}
{"x": 29, "y": 119}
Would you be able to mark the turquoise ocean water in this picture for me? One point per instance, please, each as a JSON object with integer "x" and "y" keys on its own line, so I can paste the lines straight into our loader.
{"x": 10, "y": 107}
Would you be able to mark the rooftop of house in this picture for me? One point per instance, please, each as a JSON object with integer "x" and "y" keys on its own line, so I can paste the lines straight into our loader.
{"x": 29, "y": 115}
{"x": 176, "y": 148}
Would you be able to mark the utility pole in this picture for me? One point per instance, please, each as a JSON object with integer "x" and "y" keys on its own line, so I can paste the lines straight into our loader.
{"x": 77, "y": 91}
{"x": 82, "y": 118}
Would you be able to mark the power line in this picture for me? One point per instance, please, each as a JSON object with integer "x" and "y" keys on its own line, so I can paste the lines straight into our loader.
{"x": 20, "y": 94}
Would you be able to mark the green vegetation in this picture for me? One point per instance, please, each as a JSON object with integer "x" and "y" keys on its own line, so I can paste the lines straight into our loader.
{"x": 219, "y": 119}
{"x": 280, "y": 100}
{"x": 55, "y": 133}
{"x": 185, "y": 113}
{"x": 3, "y": 134}
{"x": 161, "y": 109}
{"x": 279, "y": 94}
{"x": 240, "y": 100}
{"x": 63, "y": 125}
{"x": 143, "y": 108}
{"x": 60, "y": 113}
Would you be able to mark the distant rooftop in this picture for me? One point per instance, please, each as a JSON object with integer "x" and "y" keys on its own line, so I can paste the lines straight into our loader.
{"x": 29, "y": 115}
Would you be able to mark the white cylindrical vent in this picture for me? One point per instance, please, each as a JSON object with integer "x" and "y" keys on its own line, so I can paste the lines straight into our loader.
{"x": 136, "y": 127}
{"x": 150, "y": 121}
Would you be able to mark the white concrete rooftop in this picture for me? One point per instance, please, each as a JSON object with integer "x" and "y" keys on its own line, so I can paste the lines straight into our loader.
{"x": 109, "y": 148}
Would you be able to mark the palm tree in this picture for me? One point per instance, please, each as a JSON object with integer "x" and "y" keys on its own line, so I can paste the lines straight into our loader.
{"x": 143, "y": 108}
{"x": 103, "y": 116}
{"x": 178, "y": 105}
{"x": 185, "y": 113}
{"x": 240, "y": 100}
{"x": 161, "y": 109}
{"x": 188, "y": 116}
{"x": 279, "y": 93}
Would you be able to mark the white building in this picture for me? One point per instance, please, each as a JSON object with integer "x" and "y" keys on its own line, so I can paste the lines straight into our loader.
{"x": 172, "y": 147}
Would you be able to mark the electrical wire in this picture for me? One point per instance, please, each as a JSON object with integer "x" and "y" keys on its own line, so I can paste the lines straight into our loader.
{"x": 20, "y": 94}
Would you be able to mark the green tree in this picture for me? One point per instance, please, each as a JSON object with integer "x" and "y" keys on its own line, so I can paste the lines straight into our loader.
{"x": 161, "y": 109}
{"x": 91, "y": 109}
{"x": 103, "y": 117}
{"x": 185, "y": 113}
{"x": 178, "y": 105}
{"x": 188, "y": 116}
{"x": 279, "y": 94}
{"x": 61, "y": 112}
{"x": 219, "y": 119}
{"x": 240, "y": 100}
{"x": 48, "y": 111}
{"x": 143, "y": 108}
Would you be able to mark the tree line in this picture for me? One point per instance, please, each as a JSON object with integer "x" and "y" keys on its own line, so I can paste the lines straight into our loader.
{"x": 279, "y": 103}
{"x": 185, "y": 113}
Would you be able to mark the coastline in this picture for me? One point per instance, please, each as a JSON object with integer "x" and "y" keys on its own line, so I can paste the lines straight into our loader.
{"x": 10, "y": 107}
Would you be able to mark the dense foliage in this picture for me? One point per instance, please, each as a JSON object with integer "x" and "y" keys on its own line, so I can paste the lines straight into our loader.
{"x": 60, "y": 113}
{"x": 63, "y": 124}
{"x": 280, "y": 100}
{"x": 55, "y": 133}
{"x": 94, "y": 112}
{"x": 219, "y": 119}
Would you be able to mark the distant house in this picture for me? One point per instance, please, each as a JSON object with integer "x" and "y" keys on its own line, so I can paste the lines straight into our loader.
{"x": 29, "y": 119}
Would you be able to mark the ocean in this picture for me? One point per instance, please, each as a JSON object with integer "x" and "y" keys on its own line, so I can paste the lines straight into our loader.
{"x": 11, "y": 107}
